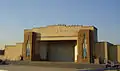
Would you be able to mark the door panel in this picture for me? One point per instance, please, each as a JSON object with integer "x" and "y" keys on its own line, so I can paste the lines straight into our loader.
{"x": 61, "y": 51}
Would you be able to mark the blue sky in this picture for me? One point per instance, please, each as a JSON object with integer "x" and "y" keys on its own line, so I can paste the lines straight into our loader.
{"x": 17, "y": 15}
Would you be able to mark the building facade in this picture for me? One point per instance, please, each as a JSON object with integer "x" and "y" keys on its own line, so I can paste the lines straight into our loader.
{"x": 66, "y": 43}
{"x": 62, "y": 43}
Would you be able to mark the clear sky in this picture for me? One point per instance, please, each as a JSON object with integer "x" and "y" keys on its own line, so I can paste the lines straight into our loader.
{"x": 17, "y": 15}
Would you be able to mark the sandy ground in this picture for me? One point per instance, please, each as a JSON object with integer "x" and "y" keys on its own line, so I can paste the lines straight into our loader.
{"x": 38, "y": 68}
{"x": 33, "y": 68}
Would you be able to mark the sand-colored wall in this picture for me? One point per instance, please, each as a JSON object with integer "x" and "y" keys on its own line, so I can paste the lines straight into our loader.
{"x": 118, "y": 53}
{"x": 108, "y": 51}
{"x": 112, "y": 53}
{"x": 13, "y": 52}
{"x": 100, "y": 49}
{"x": 62, "y": 32}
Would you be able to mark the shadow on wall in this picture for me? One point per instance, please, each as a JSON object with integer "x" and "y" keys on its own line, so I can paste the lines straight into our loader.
{"x": 35, "y": 44}
{"x": 1, "y": 52}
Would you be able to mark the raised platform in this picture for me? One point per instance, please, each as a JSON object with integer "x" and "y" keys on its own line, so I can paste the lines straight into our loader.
{"x": 57, "y": 64}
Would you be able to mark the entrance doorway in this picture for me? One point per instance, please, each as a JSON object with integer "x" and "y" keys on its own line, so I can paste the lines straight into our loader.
{"x": 58, "y": 51}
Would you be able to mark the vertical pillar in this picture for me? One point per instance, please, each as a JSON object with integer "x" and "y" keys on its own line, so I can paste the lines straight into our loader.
{"x": 106, "y": 50}
{"x": 76, "y": 53}
{"x": 29, "y": 45}
{"x": 83, "y": 43}
{"x": 26, "y": 37}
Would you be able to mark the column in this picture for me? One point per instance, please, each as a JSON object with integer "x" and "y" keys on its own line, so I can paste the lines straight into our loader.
{"x": 76, "y": 53}
{"x": 83, "y": 44}
{"x": 29, "y": 46}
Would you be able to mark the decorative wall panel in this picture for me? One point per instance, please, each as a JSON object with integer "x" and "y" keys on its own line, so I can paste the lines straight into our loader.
{"x": 29, "y": 46}
{"x": 83, "y": 43}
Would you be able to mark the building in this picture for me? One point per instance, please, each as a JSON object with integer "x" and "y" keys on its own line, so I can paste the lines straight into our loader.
{"x": 66, "y": 43}
{"x": 63, "y": 43}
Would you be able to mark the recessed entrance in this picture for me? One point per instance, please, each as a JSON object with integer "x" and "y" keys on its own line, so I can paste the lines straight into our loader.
{"x": 60, "y": 51}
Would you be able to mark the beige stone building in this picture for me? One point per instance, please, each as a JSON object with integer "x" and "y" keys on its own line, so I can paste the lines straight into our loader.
{"x": 63, "y": 43}
{"x": 66, "y": 43}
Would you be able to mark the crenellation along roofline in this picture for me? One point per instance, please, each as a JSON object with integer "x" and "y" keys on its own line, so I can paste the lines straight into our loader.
{"x": 63, "y": 25}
